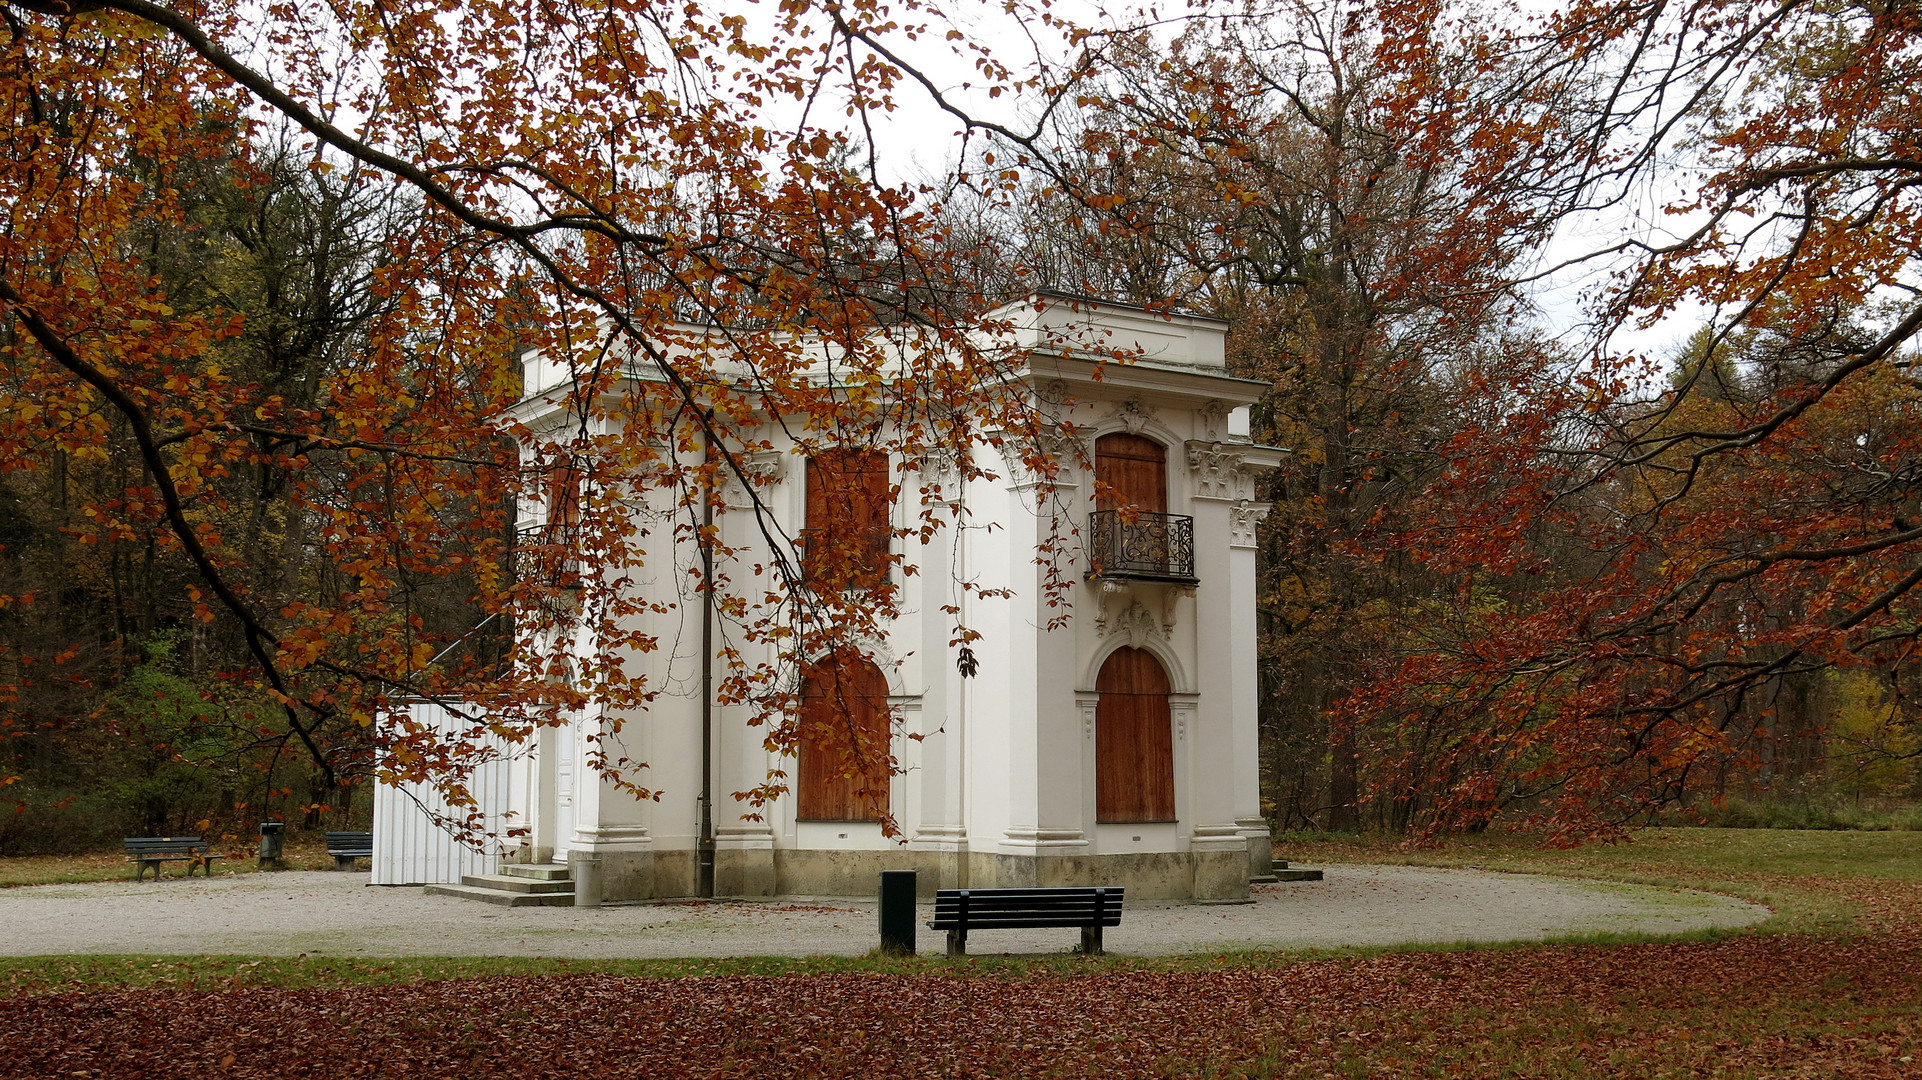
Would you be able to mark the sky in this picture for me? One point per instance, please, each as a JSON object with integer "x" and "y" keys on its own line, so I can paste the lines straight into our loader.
{"x": 918, "y": 140}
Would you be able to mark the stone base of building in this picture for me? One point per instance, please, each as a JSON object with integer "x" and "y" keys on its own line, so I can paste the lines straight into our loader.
{"x": 1199, "y": 876}
{"x": 746, "y": 872}
{"x": 1166, "y": 877}
{"x": 528, "y": 854}
{"x": 1261, "y": 846}
{"x": 858, "y": 873}
{"x": 677, "y": 873}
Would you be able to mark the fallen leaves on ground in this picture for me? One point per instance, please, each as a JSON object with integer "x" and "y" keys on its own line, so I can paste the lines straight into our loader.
{"x": 1748, "y": 1006}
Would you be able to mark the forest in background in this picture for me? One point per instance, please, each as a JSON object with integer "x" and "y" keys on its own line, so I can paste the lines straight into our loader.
{"x": 126, "y": 717}
{"x": 252, "y": 487}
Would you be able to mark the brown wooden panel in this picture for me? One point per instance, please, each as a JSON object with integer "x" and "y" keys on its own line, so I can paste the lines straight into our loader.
{"x": 820, "y": 471}
{"x": 1134, "y": 750}
{"x": 564, "y": 497}
{"x": 847, "y": 529}
{"x": 843, "y": 771}
{"x": 1135, "y": 472}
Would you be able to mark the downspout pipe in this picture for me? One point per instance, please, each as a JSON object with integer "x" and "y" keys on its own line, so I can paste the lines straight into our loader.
{"x": 705, "y": 822}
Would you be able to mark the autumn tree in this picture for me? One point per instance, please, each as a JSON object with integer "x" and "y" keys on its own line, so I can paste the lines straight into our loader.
{"x": 1706, "y": 543}
{"x": 646, "y": 197}
{"x": 290, "y": 251}
{"x": 1507, "y": 580}
{"x": 1568, "y": 588}
{"x": 1314, "y": 173}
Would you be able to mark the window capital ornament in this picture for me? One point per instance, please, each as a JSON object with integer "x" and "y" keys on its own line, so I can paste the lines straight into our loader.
{"x": 764, "y": 468}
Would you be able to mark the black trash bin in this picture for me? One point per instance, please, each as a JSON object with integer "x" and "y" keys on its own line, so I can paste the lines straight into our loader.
{"x": 271, "y": 844}
{"x": 897, "y": 912}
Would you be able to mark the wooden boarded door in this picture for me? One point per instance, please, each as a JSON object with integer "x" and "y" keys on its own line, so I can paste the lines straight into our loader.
{"x": 1134, "y": 749}
{"x": 844, "y": 712}
{"x": 1133, "y": 471}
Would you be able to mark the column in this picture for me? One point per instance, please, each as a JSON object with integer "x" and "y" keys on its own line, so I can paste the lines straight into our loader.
{"x": 1216, "y": 840}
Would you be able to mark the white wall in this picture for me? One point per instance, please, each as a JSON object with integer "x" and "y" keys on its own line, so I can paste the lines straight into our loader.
{"x": 410, "y": 847}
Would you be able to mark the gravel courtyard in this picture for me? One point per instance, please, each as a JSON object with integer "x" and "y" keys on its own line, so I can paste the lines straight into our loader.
{"x": 339, "y": 914}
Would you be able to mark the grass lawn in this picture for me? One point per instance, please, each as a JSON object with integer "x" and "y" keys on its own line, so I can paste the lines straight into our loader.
{"x": 1832, "y": 986}
{"x": 303, "y": 852}
{"x": 1816, "y": 882}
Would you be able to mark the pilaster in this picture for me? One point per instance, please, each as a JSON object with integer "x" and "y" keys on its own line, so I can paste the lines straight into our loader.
{"x": 744, "y": 860}
{"x": 1044, "y": 733}
{"x": 1220, "y": 856}
{"x": 1211, "y": 736}
{"x": 611, "y": 862}
{"x": 1244, "y": 521}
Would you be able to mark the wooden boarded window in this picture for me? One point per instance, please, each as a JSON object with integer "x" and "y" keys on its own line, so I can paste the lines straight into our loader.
{"x": 550, "y": 554}
{"x": 1131, "y": 471}
{"x": 1134, "y": 749}
{"x": 843, "y": 768}
{"x": 848, "y": 526}
{"x": 563, "y": 498}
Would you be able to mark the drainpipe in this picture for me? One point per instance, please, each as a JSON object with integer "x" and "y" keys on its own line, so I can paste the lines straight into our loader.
{"x": 963, "y": 724}
{"x": 705, "y": 822}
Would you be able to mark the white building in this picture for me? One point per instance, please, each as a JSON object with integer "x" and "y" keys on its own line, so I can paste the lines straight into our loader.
{"x": 1119, "y": 748}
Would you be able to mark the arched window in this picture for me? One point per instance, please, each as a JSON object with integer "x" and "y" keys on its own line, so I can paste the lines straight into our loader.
{"x": 848, "y": 526}
{"x": 1132, "y": 471}
{"x": 1134, "y": 749}
{"x": 843, "y": 750}
{"x": 1131, "y": 533}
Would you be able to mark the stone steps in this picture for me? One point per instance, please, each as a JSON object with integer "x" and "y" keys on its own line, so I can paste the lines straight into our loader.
{"x": 515, "y": 886}
{"x": 537, "y": 871}
{"x": 1282, "y": 873}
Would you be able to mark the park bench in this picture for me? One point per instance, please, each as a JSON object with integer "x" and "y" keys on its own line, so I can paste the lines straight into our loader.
{"x": 152, "y": 851}
{"x": 345, "y": 847}
{"x": 1088, "y": 907}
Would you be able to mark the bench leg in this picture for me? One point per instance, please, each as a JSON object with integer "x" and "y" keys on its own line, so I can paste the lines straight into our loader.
{"x": 344, "y": 862}
{"x": 957, "y": 943}
{"x": 140, "y": 869}
{"x": 1091, "y": 940}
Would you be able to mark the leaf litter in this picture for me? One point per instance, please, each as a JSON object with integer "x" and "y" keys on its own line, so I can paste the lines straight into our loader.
{"x": 1755, "y": 1005}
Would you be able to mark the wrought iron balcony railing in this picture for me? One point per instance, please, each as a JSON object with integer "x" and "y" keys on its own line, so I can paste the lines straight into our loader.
{"x": 547, "y": 557}
{"x": 1156, "y": 547}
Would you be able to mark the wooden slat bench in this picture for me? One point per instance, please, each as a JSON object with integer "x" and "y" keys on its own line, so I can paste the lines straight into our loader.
{"x": 152, "y": 851}
{"x": 1088, "y": 907}
{"x": 345, "y": 847}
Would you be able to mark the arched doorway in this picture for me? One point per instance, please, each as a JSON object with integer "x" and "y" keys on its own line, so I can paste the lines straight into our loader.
{"x": 1134, "y": 750}
{"x": 843, "y": 769}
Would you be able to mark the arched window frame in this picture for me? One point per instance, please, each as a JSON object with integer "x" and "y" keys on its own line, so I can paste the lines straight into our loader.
{"x": 1134, "y": 739}
{"x": 1108, "y": 493}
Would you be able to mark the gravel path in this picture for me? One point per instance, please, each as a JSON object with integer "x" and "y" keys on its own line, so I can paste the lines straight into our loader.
{"x": 338, "y": 914}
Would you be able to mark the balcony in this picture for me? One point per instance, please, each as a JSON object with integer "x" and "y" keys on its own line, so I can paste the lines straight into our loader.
{"x": 547, "y": 564}
{"x": 1150, "y": 547}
